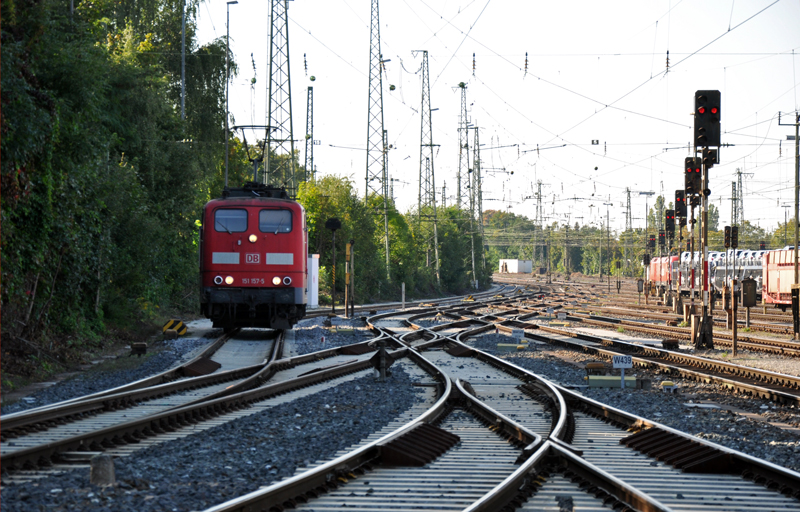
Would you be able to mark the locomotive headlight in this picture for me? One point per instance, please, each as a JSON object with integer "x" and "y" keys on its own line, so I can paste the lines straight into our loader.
{"x": 253, "y": 238}
{"x": 218, "y": 280}
{"x": 229, "y": 280}
{"x": 287, "y": 280}
{"x": 276, "y": 280}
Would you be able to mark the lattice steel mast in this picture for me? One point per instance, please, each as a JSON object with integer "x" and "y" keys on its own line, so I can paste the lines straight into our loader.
{"x": 309, "y": 163}
{"x": 740, "y": 197}
{"x": 538, "y": 255}
{"x": 462, "y": 185}
{"x": 477, "y": 192}
{"x": 377, "y": 180}
{"x": 426, "y": 207}
{"x": 281, "y": 167}
{"x": 628, "y": 212}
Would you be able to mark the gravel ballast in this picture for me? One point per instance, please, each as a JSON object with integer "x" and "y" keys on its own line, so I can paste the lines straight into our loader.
{"x": 309, "y": 334}
{"x": 199, "y": 471}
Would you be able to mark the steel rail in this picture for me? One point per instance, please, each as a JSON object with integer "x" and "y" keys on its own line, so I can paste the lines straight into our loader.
{"x": 511, "y": 428}
{"x": 550, "y": 453}
{"x": 650, "y": 356}
{"x": 15, "y": 426}
{"x": 325, "y": 476}
{"x": 771, "y": 475}
{"x": 758, "y": 470}
{"x": 37, "y": 420}
{"x": 791, "y": 381}
{"x": 560, "y": 427}
{"x": 368, "y": 308}
{"x": 154, "y": 380}
{"x": 132, "y": 431}
{"x": 665, "y": 314}
{"x": 791, "y": 348}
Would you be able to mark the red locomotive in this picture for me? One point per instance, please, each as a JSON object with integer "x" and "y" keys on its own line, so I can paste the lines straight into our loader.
{"x": 253, "y": 266}
{"x": 661, "y": 271}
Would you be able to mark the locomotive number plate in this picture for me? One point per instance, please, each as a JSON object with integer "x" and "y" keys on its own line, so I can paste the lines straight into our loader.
{"x": 252, "y": 258}
{"x": 253, "y": 280}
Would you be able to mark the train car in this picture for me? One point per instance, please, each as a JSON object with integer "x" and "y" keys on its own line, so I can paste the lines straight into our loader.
{"x": 739, "y": 265}
{"x": 687, "y": 270}
{"x": 253, "y": 259}
{"x": 661, "y": 271}
{"x": 777, "y": 277}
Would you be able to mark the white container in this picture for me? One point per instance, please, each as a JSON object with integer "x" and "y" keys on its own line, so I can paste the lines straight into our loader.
{"x": 516, "y": 266}
{"x": 313, "y": 281}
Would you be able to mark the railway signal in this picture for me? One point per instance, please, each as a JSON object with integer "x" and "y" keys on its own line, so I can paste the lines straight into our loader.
{"x": 646, "y": 260}
{"x": 735, "y": 237}
{"x": 680, "y": 203}
{"x": 709, "y": 157}
{"x": 706, "y": 118}
{"x": 661, "y": 238}
{"x": 694, "y": 175}
{"x": 727, "y": 236}
{"x": 762, "y": 246}
{"x": 651, "y": 242}
{"x": 670, "y": 224}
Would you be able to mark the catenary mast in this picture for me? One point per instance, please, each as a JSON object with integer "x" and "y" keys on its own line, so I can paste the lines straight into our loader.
{"x": 376, "y": 178}
{"x": 280, "y": 168}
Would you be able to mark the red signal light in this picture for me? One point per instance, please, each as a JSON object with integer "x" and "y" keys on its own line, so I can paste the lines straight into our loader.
{"x": 714, "y": 110}
{"x": 701, "y": 110}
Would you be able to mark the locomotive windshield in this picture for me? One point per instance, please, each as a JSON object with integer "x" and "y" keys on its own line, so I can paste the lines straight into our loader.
{"x": 230, "y": 221}
{"x": 275, "y": 221}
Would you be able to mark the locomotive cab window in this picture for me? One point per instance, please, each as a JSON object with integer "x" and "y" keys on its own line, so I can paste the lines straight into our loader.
{"x": 230, "y": 220}
{"x": 275, "y": 221}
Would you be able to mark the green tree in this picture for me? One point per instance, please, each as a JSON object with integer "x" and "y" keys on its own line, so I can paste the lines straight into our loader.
{"x": 102, "y": 182}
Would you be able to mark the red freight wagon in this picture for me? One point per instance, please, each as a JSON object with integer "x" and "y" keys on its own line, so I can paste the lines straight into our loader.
{"x": 253, "y": 259}
{"x": 778, "y": 277}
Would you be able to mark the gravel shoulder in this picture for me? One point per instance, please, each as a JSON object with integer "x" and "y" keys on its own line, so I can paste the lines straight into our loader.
{"x": 115, "y": 372}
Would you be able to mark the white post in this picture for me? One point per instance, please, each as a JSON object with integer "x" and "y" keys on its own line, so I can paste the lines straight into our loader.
{"x": 403, "y": 291}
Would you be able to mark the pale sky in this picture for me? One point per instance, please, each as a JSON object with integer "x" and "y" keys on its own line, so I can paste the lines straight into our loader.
{"x": 595, "y": 71}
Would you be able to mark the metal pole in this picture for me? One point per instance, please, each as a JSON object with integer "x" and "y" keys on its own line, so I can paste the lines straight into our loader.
{"x": 796, "y": 207}
{"x": 183, "y": 61}
{"x": 352, "y": 279}
{"x": 333, "y": 273}
{"x": 706, "y": 331}
{"x": 227, "y": 81}
{"x": 608, "y": 247}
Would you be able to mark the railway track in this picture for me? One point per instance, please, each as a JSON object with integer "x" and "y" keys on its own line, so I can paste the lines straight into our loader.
{"x": 241, "y": 363}
{"x": 489, "y": 435}
{"x": 789, "y": 348}
{"x": 527, "y": 454}
{"x": 44, "y": 455}
{"x": 584, "y": 312}
{"x": 667, "y": 316}
{"x": 60, "y": 436}
{"x": 753, "y": 381}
